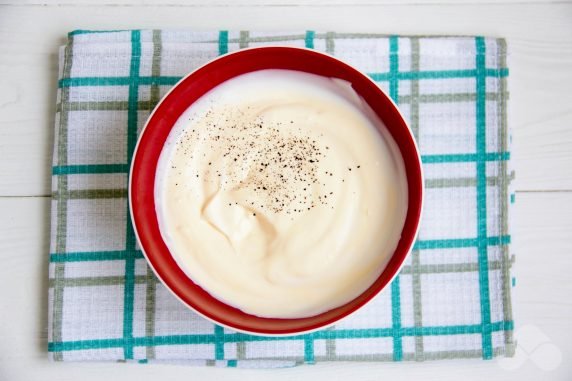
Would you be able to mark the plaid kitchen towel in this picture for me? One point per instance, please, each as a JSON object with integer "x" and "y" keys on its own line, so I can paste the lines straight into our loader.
{"x": 452, "y": 297}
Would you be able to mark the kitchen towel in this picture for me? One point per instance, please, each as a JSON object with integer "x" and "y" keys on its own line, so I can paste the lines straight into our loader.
{"x": 452, "y": 299}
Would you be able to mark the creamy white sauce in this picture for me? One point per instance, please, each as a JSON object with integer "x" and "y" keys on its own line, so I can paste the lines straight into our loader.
{"x": 277, "y": 195}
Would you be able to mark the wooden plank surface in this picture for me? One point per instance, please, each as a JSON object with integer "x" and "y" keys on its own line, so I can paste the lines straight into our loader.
{"x": 542, "y": 300}
{"x": 540, "y": 107}
{"x": 540, "y": 42}
{"x": 267, "y": 3}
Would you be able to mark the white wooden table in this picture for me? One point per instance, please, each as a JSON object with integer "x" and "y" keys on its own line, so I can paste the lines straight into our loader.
{"x": 540, "y": 41}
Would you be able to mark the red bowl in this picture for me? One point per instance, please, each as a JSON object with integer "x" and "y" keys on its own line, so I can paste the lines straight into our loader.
{"x": 163, "y": 118}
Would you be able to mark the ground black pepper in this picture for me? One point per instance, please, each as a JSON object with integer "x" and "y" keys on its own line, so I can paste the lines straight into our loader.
{"x": 287, "y": 161}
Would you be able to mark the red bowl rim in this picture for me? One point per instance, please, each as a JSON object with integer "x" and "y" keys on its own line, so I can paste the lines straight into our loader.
{"x": 396, "y": 262}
